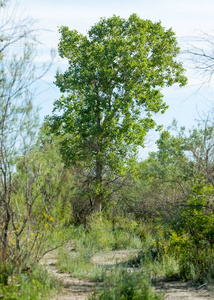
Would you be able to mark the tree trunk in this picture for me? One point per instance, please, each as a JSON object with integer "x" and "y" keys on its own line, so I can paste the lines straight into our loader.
{"x": 98, "y": 207}
{"x": 4, "y": 250}
{"x": 99, "y": 163}
{"x": 99, "y": 197}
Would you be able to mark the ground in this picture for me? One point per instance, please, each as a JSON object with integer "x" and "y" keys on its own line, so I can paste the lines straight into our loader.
{"x": 79, "y": 289}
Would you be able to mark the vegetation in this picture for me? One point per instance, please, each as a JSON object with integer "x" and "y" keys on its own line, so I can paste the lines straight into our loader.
{"x": 112, "y": 89}
{"x": 77, "y": 177}
{"x": 35, "y": 285}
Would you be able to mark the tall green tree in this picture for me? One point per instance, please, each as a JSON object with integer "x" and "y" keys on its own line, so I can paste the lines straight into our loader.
{"x": 111, "y": 91}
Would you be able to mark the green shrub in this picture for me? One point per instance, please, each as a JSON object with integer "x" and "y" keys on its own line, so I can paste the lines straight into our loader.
{"x": 196, "y": 261}
{"x": 122, "y": 284}
{"x": 35, "y": 285}
{"x": 192, "y": 236}
{"x": 100, "y": 236}
{"x": 79, "y": 264}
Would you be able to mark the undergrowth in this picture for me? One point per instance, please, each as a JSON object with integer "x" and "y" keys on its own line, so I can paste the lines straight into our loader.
{"x": 160, "y": 254}
{"x": 123, "y": 284}
{"x": 30, "y": 285}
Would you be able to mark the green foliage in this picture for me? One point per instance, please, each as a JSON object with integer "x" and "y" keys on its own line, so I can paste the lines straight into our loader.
{"x": 19, "y": 187}
{"x": 195, "y": 263}
{"x": 169, "y": 164}
{"x": 163, "y": 179}
{"x": 123, "y": 236}
{"x": 197, "y": 217}
{"x": 79, "y": 264}
{"x": 192, "y": 241}
{"x": 98, "y": 237}
{"x": 35, "y": 285}
{"x": 111, "y": 90}
{"x": 103, "y": 236}
{"x": 39, "y": 205}
{"x": 118, "y": 282}
{"x": 122, "y": 284}
{"x": 201, "y": 149}
{"x": 175, "y": 188}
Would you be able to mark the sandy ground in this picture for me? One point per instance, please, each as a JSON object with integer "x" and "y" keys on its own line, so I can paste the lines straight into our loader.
{"x": 182, "y": 290}
{"x": 74, "y": 288}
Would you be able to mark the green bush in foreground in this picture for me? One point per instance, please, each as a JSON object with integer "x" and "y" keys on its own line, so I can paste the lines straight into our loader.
{"x": 122, "y": 285}
{"x": 35, "y": 285}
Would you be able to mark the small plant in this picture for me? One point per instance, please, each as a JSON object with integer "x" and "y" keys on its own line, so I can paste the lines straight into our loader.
{"x": 79, "y": 264}
{"x": 35, "y": 285}
{"x": 125, "y": 285}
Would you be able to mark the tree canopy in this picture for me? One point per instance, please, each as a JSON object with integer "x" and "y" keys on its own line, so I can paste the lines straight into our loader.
{"x": 112, "y": 89}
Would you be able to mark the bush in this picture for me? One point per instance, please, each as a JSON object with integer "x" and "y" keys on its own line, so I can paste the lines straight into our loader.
{"x": 122, "y": 284}
{"x": 192, "y": 236}
{"x": 100, "y": 235}
{"x": 33, "y": 285}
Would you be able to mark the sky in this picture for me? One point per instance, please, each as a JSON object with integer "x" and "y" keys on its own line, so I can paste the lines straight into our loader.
{"x": 185, "y": 17}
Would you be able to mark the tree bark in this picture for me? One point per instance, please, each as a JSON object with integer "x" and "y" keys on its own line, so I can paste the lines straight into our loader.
{"x": 99, "y": 175}
{"x": 99, "y": 164}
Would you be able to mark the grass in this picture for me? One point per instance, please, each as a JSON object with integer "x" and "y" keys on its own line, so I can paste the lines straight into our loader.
{"x": 159, "y": 253}
{"x": 131, "y": 279}
{"x": 79, "y": 265}
{"x": 35, "y": 285}
{"x": 98, "y": 238}
{"x": 119, "y": 282}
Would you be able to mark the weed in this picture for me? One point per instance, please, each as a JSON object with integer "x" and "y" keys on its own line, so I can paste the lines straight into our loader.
{"x": 121, "y": 284}
{"x": 35, "y": 285}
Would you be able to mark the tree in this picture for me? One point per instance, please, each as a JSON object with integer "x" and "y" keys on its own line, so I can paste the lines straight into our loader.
{"x": 18, "y": 118}
{"x": 40, "y": 203}
{"x": 201, "y": 149}
{"x": 200, "y": 55}
{"x": 164, "y": 178}
{"x": 111, "y": 90}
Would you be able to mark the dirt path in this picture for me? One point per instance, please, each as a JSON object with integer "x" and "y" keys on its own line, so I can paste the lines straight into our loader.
{"x": 181, "y": 290}
{"x": 79, "y": 289}
{"x": 72, "y": 288}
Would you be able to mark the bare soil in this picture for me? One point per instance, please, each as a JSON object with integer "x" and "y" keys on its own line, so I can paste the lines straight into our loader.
{"x": 181, "y": 290}
{"x": 74, "y": 288}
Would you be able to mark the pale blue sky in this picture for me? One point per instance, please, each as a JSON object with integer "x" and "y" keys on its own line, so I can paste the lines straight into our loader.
{"x": 184, "y": 16}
